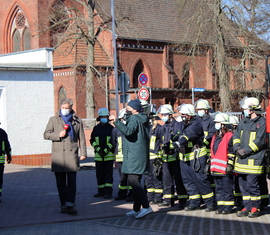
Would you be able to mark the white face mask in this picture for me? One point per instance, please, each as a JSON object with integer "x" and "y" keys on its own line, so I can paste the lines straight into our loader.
{"x": 65, "y": 112}
{"x": 218, "y": 126}
{"x": 201, "y": 113}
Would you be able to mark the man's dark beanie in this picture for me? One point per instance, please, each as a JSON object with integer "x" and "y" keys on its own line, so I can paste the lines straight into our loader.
{"x": 135, "y": 104}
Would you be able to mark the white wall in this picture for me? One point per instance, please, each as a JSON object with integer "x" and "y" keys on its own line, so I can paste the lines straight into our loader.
{"x": 28, "y": 100}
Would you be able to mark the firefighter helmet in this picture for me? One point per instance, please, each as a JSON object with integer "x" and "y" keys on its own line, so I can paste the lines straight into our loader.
{"x": 234, "y": 120}
{"x": 103, "y": 112}
{"x": 122, "y": 113}
{"x": 187, "y": 109}
{"x": 202, "y": 104}
{"x": 251, "y": 103}
{"x": 222, "y": 118}
{"x": 144, "y": 103}
{"x": 165, "y": 109}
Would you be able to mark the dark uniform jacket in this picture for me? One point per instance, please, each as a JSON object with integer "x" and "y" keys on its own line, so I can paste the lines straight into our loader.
{"x": 209, "y": 129}
{"x": 250, "y": 136}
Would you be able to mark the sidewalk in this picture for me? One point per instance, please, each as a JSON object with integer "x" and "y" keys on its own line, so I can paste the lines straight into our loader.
{"x": 30, "y": 205}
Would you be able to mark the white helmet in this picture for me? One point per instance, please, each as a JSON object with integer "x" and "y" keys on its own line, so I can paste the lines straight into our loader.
{"x": 222, "y": 118}
{"x": 144, "y": 103}
{"x": 250, "y": 103}
{"x": 202, "y": 104}
{"x": 122, "y": 113}
{"x": 234, "y": 120}
{"x": 103, "y": 112}
{"x": 165, "y": 109}
{"x": 187, "y": 109}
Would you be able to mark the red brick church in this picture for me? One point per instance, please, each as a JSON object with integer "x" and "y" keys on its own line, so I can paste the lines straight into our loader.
{"x": 153, "y": 38}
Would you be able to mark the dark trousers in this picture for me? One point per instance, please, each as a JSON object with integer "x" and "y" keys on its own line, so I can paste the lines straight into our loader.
{"x": 2, "y": 166}
{"x": 197, "y": 183}
{"x": 124, "y": 188}
{"x": 237, "y": 192}
{"x": 264, "y": 191}
{"x": 104, "y": 175}
{"x": 172, "y": 175}
{"x": 224, "y": 192}
{"x": 140, "y": 198}
{"x": 66, "y": 185}
{"x": 250, "y": 189}
{"x": 154, "y": 185}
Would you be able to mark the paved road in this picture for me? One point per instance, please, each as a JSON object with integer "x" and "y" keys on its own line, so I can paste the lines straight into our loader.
{"x": 30, "y": 205}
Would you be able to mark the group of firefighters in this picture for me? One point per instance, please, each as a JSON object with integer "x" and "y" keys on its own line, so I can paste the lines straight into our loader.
{"x": 200, "y": 159}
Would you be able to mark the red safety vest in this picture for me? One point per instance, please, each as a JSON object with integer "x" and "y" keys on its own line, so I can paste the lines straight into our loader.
{"x": 220, "y": 158}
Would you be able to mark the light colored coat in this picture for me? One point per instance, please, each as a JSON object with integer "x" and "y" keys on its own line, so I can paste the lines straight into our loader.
{"x": 64, "y": 151}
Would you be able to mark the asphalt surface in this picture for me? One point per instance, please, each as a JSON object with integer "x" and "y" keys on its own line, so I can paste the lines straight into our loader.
{"x": 30, "y": 205}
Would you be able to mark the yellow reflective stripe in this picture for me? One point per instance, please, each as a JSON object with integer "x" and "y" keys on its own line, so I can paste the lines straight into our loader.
{"x": 122, "y": 187}
{"x": 169, "y": 158}
{"x": 209, "y": 195}
{"x": 248, "y": 168}
{"x": 251, "y": 144}
{"x": 264, "y": 196}
{"x": 237, "y": 194}
{"x": 158, "y": 190}
{"x": 231, "y": 155}
{"x": 185, "y": 137}
{"x": 206, "y": 141}
{"x": 236, "y": 141}
{"x": 150, "y": 190}
{"x": 241, "y": 133}
{"x": 168, "y": 196}
{"x": 108, "y": 185}
{"x": 190, "y": 144}
{"x": 246, "y": 198}
{"x": 152, "y": 142}
{"x": 255, "y": 198}
{"x": 101, "y": 186}
{"x": 119, "y": 158}
{"x": 225, "y": 203}
{"x": 195, "y": 196}
{"x": 153, "y": 156}
{"x": 190, "y": 156}
{"x": 206, "y": 133}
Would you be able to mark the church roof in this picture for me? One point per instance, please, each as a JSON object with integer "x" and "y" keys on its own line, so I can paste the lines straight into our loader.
{"x": 175, "y": 21}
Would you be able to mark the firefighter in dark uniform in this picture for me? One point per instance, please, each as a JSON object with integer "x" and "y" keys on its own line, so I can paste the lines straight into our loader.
{"x": 193, "y": 156}
{"x": 5, "y": 151}
{"x": 104, "y": 154}
{"x": 234, "y": 121}
{"x": 124, "y": 190}
{"x": 153, "y": 180}
{"x": 171, "y": 168}
{"x": 249, "y": 142}
{"x": 222, "y": 164}
{"x": 208, "y": 124}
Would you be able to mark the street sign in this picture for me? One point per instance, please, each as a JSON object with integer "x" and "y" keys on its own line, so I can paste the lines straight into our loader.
{"x": 198, "y": 89}
{"x": 143, "y": 94}
{"x": 143, "y": 79}
{"x": 123, "y": 83}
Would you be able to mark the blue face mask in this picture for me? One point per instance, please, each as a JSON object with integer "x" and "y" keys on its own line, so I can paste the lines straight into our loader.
{"x": 103, "y": 120}
{"x": 218, "y": 126}
{"x": 165, "y": 119}
{"x": 201, "y": 113}
{"x": 246, "y": 113}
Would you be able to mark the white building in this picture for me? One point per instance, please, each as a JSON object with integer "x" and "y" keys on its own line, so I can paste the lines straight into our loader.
{"x": 26, "y": 103}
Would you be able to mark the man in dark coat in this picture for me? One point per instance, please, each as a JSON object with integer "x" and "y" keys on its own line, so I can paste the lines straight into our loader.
{"x": 67, "y": 135}
{"x": 136, "y": 154}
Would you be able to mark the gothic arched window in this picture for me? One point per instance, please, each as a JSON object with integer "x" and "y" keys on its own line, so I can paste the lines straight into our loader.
{"x": 137, "y": 71}
{"x": 21, "y": 35}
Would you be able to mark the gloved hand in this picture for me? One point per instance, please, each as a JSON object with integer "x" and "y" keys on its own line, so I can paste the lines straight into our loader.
{"x": 229, "y": 169}
{"x": 9, "y": 159}
{"x": 101, "y": 152}
{"x": 175, "y": 138}
{"x": 157, "y": 163}
{"x": 207, "y": 167}
{"x": 182, "y": 140}
{"x": 241, "y": 153}
{"x": 176, "y": 146}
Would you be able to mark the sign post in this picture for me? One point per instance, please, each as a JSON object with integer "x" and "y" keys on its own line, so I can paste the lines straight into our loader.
{"x": 196, "y": 90}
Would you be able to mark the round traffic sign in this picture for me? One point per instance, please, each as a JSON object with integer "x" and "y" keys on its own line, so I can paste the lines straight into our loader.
{"x": 143, "y": 94}
{"x": 143, "y": 79}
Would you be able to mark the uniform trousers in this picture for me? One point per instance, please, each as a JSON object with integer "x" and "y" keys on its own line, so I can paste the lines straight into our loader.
{"x": 224, "y": 192}
{"x": 197, "y": 183}
{"x": 172, "y": 174}
{"x": 153, "y": 185}
{"x": 250, "y": 189}
{"x": 140, "y": 198}
{"x": 124, "y": 188}
{"x": 66, "y": 185}
{"x": 104, "y": 175}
